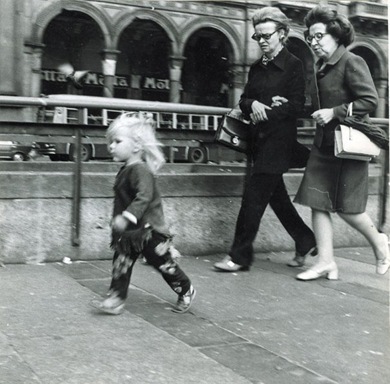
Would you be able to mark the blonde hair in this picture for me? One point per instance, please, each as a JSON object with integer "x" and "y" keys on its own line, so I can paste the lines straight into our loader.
{"x": 140, "y": 127}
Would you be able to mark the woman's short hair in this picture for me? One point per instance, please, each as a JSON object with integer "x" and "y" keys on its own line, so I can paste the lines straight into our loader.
{"x": 336, "y": 25}
{"x": 272, "y": 14}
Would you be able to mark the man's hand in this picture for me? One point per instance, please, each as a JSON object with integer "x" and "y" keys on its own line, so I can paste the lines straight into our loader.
{"x": 323, "y": 116}
{"x": 259, "y": 112}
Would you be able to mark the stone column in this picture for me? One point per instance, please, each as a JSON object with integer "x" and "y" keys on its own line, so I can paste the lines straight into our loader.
{"x": 109, "y": 67}
{"x": 238, "y": 76}
{"x": 35, "y": 51}
{"x": 381, "y": 87}
{"x": 175, "y": 71}
{"x": 9, "y": 33}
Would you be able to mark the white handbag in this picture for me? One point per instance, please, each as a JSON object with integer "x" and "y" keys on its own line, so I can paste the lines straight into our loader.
{"x": 350, "y": 143}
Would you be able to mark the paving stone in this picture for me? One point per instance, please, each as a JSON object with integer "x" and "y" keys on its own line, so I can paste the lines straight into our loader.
{"x": 261, "y": 366}
{"x": 15, "y": 371}
{"x": 261, "y": 326}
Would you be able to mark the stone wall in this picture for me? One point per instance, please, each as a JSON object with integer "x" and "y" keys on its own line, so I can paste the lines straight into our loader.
{"x": 201, "y": 204}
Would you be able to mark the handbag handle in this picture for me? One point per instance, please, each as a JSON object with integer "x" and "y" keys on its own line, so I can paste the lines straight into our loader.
{"x": 349, "y": 113}
{"x": 350, "y": 109}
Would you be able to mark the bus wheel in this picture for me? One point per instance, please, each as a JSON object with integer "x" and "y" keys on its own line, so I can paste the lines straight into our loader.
{"x": 197, "y": 155}
{"x": 18, "y": 156}
{"x": 86, "y": 152}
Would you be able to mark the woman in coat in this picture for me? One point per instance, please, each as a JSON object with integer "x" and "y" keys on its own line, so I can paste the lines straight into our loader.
{"x": 277, "y": 75}
{"x": 331, "y": 184}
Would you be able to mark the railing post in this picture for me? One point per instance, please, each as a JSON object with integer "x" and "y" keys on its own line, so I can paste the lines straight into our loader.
{"x": 76, "y": 198}
{"x": 383, "y": 193}
{"x": 384, "y": 178}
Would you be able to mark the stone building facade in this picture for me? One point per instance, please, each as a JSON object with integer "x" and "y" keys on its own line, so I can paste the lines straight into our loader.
{"x": 196, "y": 52}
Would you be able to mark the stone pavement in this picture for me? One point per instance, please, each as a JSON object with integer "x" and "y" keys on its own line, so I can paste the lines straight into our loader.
{"x": 261, "y": 326}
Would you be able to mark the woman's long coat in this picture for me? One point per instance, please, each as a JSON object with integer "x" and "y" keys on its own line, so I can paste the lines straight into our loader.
{"x": 345, "y": 78}
{"x": 273, "y": 140}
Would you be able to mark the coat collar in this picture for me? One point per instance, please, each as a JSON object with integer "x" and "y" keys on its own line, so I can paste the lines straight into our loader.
{"x": 339, "y": 52}
{"x": 280, "y": 60}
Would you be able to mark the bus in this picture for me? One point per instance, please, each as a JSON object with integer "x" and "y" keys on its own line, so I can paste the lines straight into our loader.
{"x": 197, "y": 133}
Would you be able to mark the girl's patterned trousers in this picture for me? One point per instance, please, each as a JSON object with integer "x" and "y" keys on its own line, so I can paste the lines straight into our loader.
{"x": 157, "y": 250}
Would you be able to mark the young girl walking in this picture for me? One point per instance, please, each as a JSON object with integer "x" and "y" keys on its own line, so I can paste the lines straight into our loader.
{"x": 138, "y": 225}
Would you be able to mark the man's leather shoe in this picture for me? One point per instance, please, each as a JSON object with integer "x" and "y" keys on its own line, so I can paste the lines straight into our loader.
{"x": 227, "y": 265}
{"x": 299, "y": 259}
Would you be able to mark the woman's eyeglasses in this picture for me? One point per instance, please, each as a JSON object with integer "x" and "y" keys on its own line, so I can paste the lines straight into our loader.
{"x": 317, "y": 37}
{"x": 266, "y": 36}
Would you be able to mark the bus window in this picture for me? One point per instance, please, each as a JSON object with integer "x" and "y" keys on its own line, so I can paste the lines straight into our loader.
{"x": 197, "y": 122}
{"x": 166, "y": 120}
{"x": 95, "y": 116}
{"x": 183, "y": 121}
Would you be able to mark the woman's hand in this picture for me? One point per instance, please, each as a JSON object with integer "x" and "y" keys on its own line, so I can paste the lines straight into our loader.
{"x": 278, "y": 101}
{"x": 119, "y": 223}
{"x": 259, "y": 112}
{"x": 323, "y": 116}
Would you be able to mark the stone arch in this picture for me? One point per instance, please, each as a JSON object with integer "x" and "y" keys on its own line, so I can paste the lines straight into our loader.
{"x": 147, "y": 42}
{"x": 211, "y": 72}
{"x": 235, "y": 40}
{"x": 376, "y": 50}
{"x": 163, "y": 21}
{"x": 53, "y": 10}
{"x": 377, "y": 62}
{"x": 298, "y": 47}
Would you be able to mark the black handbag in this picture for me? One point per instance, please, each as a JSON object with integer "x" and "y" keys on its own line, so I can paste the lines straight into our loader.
{"x": 234, "y": 131}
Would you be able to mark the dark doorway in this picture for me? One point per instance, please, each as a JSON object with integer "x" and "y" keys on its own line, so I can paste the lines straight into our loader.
{"x": 144, "y": 59}
{"x": 75, "y": 38}
{"x": 206, "y": 76}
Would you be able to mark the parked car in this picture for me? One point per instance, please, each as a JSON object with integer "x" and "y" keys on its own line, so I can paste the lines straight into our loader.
{"x": 65, "y": 151}
{"x": 15, "y": 150}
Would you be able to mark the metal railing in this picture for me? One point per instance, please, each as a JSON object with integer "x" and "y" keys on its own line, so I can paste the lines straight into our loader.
{"x": 76, "y": 101}
{"x": 77, "y": 131}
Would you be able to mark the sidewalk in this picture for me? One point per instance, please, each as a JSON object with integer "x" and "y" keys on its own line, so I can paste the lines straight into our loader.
{"x": 261, "y": 326}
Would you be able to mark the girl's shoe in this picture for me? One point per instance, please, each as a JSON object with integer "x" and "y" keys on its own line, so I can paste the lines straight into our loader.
{"x": 113, "y": 305}
{"x": 383, "y": 265}
{"x": 184, "y": 302}
{"x": 330, "y": 270}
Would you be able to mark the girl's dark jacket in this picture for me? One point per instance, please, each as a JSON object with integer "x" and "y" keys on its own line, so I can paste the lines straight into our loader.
{"x": 136, "y": 192}
{"x": 273, "y": 140}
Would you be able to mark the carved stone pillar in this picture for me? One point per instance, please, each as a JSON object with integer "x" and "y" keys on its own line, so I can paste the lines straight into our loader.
{"x": 238, "y": 77}
{"x": 109, "y": 67}
{"x": 35, "y": 50}
{"x": 175, "y": 71}
{"x": 9, "y": 32}
{"x": 381, "y": 87}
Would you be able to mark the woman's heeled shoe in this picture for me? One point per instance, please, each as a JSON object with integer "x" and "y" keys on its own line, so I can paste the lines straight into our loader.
{"x": 383, "y": 265}
{"x": 331, "y": 271}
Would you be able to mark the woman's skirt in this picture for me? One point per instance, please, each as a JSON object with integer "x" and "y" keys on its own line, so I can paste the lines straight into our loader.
{"x": 333, "y": 184}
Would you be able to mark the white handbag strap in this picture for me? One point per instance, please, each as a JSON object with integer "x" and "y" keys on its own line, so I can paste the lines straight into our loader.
{"x": 350, "y": 109}
{"x": 349, "y": 113}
